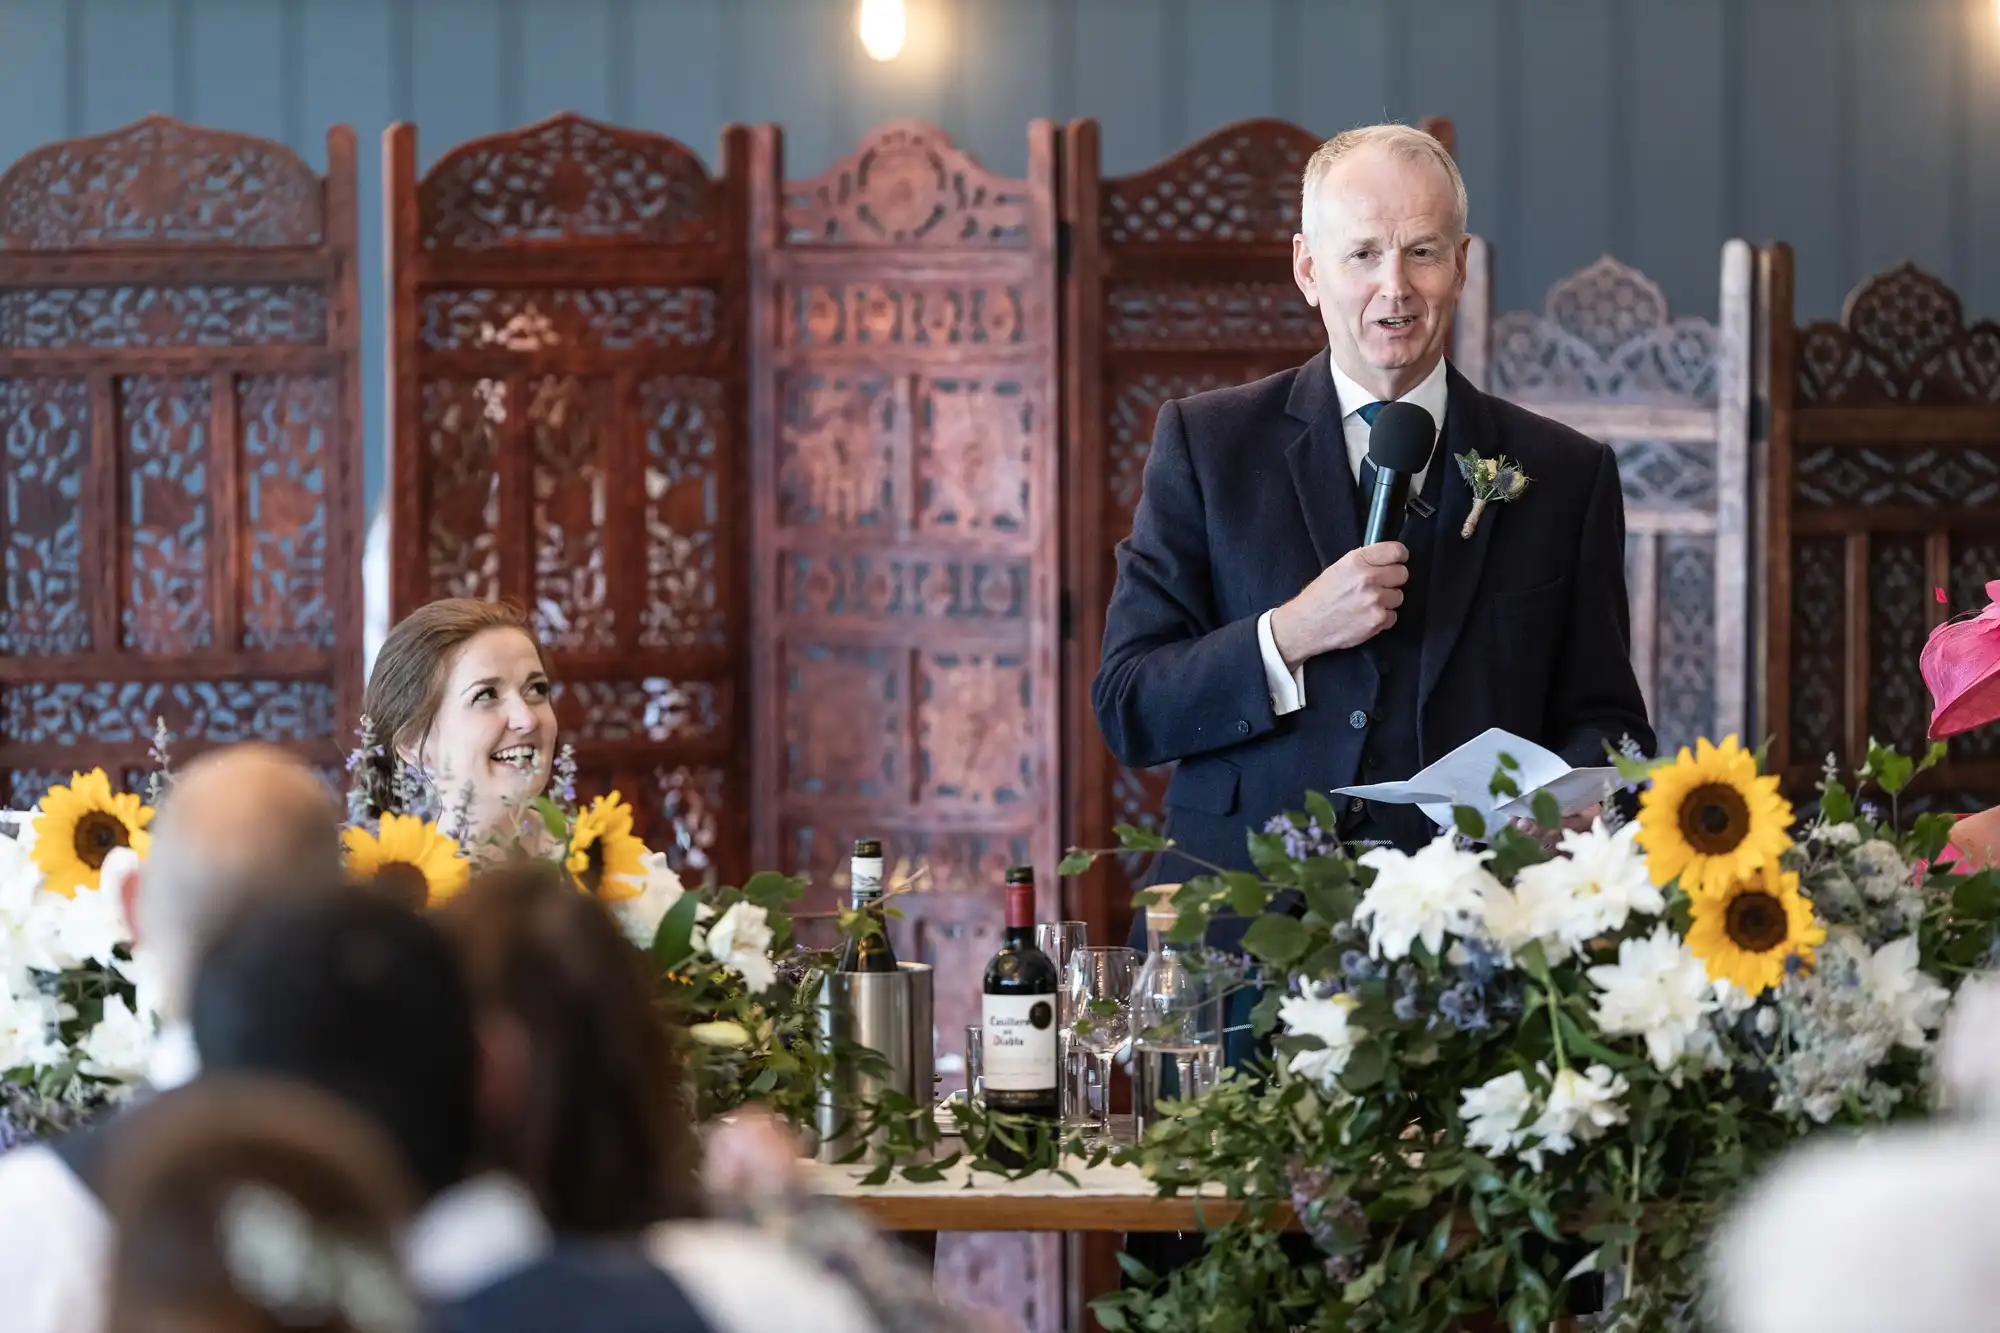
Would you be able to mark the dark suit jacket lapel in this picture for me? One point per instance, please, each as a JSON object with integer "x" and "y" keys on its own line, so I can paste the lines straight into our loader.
{"x": 1456, "y": 561}
{"x": 1318, "y": 460}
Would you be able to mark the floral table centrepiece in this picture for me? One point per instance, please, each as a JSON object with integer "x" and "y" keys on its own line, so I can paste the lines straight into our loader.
{"x": 1498, "y": 1068}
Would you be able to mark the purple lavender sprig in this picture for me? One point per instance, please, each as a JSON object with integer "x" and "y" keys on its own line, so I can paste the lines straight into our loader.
{"x": 461, "y": 814}
{"x": 360, "y": 801}
{"x": 1303, "y": 841}
{"x": 565, "y": 776}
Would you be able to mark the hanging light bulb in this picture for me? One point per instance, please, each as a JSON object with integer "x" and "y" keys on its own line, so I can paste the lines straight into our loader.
{"x": 881, "y": 28}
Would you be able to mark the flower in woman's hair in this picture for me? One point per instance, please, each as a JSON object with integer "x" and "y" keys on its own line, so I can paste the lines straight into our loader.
{"x": 741, "y": 942}
{"x": 1440, "y": 890}
{"x": 80, "y": 825}
{"x": 1657, "y": 990}
{"x": 1756, "y": 931}
{"x": 603, "y": 854}
{"x": 409, "y": 858}
{"x": 1580, "y": 1107}
{"x": 1305, "y": 1016}
{"x": 1709, "y": 819}
{"x": 656, "y": 889}
{"x": 1494, "y": 1112}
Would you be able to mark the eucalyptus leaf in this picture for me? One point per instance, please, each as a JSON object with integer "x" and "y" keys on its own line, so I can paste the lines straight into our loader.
{"x": 673, "y": 941}
{"x": 1134, "y": 839}
{"x": 1321, "y": 809}
{"x": 1247, "y": 894}
{"x": 1075, "y": 862}
{"x": 1836, "y": 804}
{"x": 1279, "y": 940}
{"x": 553, "y": 819}
{"x": 1548, "y": 811}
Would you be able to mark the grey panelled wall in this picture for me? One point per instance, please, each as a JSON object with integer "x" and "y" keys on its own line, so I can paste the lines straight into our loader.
{"x": 1865, "y": 132}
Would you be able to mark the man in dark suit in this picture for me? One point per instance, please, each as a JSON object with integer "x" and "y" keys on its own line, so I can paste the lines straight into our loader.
{"x": 1254, "y": 639}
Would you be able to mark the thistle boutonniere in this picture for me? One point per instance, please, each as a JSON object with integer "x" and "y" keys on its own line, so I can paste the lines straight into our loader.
{"x": 1490, "y": 479}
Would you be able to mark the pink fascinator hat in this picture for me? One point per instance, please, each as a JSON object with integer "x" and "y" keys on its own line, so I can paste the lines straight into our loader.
{"x": 1961, "y": 665}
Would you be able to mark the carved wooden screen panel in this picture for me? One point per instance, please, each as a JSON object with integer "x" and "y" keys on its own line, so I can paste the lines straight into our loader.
{"x": 1884, "y": 485}
{"x": 180, "y": 408}
{"x": 904, "y": 437}
{"x": 568, "y": 407}
{"x": 1179, "y": 281}
{"x": 1671, "y": 397}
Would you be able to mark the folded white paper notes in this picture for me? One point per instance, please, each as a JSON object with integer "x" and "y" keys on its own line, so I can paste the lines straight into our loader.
{"x": 1465, "y": 777}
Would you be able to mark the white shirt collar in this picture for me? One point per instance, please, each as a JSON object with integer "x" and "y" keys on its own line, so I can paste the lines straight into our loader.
{"x": 1429, "y": 395}
{"x": 472, "y": 1235}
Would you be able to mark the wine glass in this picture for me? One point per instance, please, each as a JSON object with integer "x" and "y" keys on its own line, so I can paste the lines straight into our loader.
{"x": 1097, "y": 990}
{"x": 1059, "y": 939}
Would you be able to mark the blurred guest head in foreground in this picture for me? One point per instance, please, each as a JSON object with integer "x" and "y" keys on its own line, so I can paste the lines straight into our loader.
{"x": 255, "y": 1206}
{"x": 240, "y": 824}
{"x": 584, "y": 1097}
{"x": 355, "y": 995}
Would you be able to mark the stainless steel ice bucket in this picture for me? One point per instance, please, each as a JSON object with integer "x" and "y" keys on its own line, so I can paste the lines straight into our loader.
{"x": 888, "y": 1012}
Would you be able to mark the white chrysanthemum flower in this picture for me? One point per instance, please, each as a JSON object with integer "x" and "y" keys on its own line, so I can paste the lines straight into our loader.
{"x": 20, "y": 879}
{"x": 1837, "y": 835}
{"x": 1512, "y": 919}
{"x": 741, "y": 942}
{"x": 659, "y": 889}
{"x": 1494, "y": 1112}
{"x": 1422, "y": 897}
{"x": 1597, "y": 880}
{"x": 1658, "y": 990}
{"x": 29, "y": 1021}
{"x": 1895, "y": 978}
{"x": 63, "y": 932}
{"x": 1969, "y": 1051}
{"x": 1580, "y": 1107}
{"x": 1305, "y": 1016}
{"x": 120, "y": 1046}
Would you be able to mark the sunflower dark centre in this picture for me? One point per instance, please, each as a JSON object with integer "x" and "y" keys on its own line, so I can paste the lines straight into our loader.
{"x": 1756, "y": 922}
{"x": 592, "y": 877}
{"x": 1715, "y": 819}
{"x": 96, "y": 835}
{"x": 403, "y": 881}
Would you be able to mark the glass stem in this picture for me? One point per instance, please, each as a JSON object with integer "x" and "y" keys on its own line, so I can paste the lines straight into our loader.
{"x": 1104, "y": 1093}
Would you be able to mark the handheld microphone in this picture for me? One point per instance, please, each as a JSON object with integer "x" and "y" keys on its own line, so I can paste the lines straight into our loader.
{"x": 1399, "y": 444}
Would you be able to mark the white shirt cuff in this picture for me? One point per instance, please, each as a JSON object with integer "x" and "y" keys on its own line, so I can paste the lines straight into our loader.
{"x": 1287, "y": 685}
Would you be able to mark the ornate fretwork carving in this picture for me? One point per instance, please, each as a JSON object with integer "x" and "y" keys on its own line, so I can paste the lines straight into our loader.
{"x": 461, "y": 438}
{"x": 1240, "y": 185}
{"x": 655, "y": 710}
{"x": 1204, "y": 316}
{"x": 45, "y": 426}
{"x": 1901, "y": 339}
{"x": 844, "y": 718}
{"x": 286, "y": 422}
{"x": 124, "y": 712}
{"x": 1684, "y": 684}
{"x": 858, "y": 315}
{"x": 569, "y": 420}
{"x": 166, "y": 434}
{"x": 160, "y": 182}
{"x": 975, "y": 730}
{"x": 1605, "y": 336}
{"x": 567, "y": 179}
{"x": 837, "y": 455}
{"x": 1819, "y": 646}
{"x": 251, "y": 314}
{"x": 1951, "y": 476}
{"x": 1133, "y": 405}
{"x": 975, "y": 448}
{"x": 526, "y": 320}
{"x": 876, "y": 587}
{"x": 1899, "y": 598}
{"x": 686, "y": 505}
{"x": 907, "y": 185}
{"x": 1675, "y": 475}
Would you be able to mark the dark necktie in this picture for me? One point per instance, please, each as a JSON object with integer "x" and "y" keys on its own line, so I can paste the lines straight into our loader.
{"x": 1368, "y": 412}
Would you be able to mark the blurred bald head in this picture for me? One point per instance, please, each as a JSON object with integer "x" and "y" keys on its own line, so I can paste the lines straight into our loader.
{"x": 246, "y": 822}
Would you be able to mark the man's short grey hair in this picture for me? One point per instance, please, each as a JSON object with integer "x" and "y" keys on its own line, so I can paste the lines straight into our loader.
{"x": 238, "y": 824}
{"x": 1403, "y": 142}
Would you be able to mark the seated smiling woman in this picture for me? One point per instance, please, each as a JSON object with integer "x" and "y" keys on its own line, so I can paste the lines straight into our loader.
{"x": 460, "y": 705}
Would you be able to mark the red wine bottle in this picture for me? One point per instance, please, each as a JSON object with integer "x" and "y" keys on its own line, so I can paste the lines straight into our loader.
{"x": 1018, "y": 1019}
{"x": 869, "y": 951}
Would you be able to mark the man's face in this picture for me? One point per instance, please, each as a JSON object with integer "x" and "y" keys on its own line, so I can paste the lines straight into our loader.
{"x": 1385, "y": 267}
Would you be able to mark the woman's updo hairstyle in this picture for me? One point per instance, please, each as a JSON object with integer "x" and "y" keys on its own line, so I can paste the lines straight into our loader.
{"x": 407, "y": 682}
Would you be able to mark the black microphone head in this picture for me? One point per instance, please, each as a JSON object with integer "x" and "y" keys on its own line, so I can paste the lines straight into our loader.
{"x": 1401, "y": 438}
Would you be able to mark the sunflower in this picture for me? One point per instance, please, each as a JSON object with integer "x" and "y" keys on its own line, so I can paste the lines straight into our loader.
{"x": 602, "y": 850}
{"x": 1746, "y": 933}
{"x": 80, "y": 825}
{"x": 409, "y": 858}
{"x": 1709, "y": 819}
